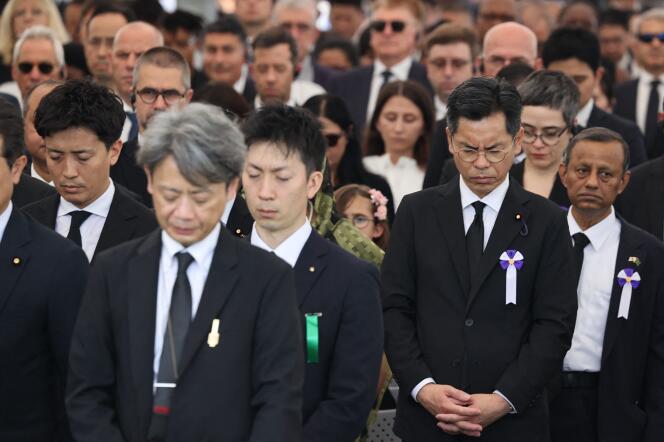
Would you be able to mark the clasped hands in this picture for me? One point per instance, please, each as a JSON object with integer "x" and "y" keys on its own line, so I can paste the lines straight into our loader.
{"x": 458, "y": 412}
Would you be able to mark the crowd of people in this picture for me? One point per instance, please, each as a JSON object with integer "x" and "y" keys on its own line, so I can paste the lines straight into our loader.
{"x": 245, "y": 227}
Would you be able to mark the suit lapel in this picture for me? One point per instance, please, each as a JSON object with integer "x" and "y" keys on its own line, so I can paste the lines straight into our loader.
{"x": 309, "y": 266}
{"x": 117, "y": 227}
{"x": 656, "y": 208}
{"x": 142, "y": 310}
{"x": 628, "y": 247}
{"x": 450, "y": 217}
{"x": 47, "y": 211}
{"x": 14, "y": 254}
{"x": 504, "y": 231}
{"x": 219, "y": 285}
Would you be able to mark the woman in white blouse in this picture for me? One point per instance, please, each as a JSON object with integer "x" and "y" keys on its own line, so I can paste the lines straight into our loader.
{"x": 397, "y": 140}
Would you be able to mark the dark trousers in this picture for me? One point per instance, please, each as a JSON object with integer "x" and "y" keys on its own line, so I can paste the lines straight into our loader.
{"x": 573, "y": 413}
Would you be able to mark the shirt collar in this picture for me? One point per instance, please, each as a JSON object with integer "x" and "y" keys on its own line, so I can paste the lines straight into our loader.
{"x": 399, "y": 70}
{"x": 35, "y": 174}
{"x": 494, "y": 199}
{"x": 242, "y": 81}
{"x": 584, "y": 114}
{"x": 289, "y": 250}
{"x": 201, "y": 251}
{"x": 101, "y": 206}
{"x": 4, "y": 219}
{"x": 441, "y": 108}
{"x": 598, "y": 233}
{"x": 646, "y": 78}
{"x": 227, "y": 211}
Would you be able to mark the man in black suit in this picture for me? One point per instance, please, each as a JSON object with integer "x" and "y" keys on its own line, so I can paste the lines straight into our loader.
{"x": 337, "y": 293}
{"x": 80, "y": 123}
{"x": 612, "y": 384}
{"x": 43, "y": 277}
{"x": 188, "y": 334}
{"x": 395, "y": 29}
{"x": 576, "y": 53}
{"x": 639, "y": 100}
{"x": 471, "y": 348}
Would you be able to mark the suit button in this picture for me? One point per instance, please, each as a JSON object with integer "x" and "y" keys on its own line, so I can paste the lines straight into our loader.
{"x": 456, "y": 362}
{"x": 469, "y": 322}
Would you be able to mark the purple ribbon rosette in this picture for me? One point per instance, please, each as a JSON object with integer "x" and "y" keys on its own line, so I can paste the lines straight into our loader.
{"x": 628, "y": 279}
{"x": 511, "y": 261}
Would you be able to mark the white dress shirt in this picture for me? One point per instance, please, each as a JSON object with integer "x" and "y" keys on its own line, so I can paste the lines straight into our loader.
{"x": 242, "y": 81}
{"x": 126, "y": 127}
{"x": 289, "y": 250}
{"x": 300, "y": 92}
{"x": 399, "y": 72}
{"x": 493, "y": 202}
{"x": 227, "y": 211}
{"x": 404, "y": 177}
{"x": 643, "y": 96}
{"x": 11, "y": 88}
{"x": 35, "y": 174}
{"x": 4, "y": 219}
{"x": 197, "y": 274}
{"x": 594, "y": 293}
{"x": 306, "y": 69}
{"x": 441, "y": 108}
{"x": 583, "y": 115}
{"x": 91, "y": 227}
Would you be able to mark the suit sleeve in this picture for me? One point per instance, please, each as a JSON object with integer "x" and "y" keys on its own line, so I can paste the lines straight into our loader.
{"x": 398, "y": 289}
{"x": 90, "y": 388}
{"x": 553, "y": 317}
{"x": 654, "y": 387}
{"x": 278, "y": 364}
{"x": 353, "y": 375}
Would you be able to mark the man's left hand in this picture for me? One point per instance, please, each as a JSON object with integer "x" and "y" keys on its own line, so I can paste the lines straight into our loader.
{"x": 492, "y": 407}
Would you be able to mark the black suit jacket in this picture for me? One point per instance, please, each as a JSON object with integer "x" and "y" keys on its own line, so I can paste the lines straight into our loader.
{"x": 127, "y": 219}
{"x": 249, "y": 92}
{"x": 440, "y": 324}
{"x": 439, "y": 153}
{"x": 129, "y": 174}
{"x": 340, "y": 389}
{"x": 625, "y": 94}
{"x": 642, "y": 202}
{"x": 354, "y": 88}
{"x": 631, "y": 386}
{"x": 29, "y": 189}
{"x": 240, "y": 220}
{"x": 248, "y": 387}
{"x": 626, "y": 128}
{"x": 42, "y": 278}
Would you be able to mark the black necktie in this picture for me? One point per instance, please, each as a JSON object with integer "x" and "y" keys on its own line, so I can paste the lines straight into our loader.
{"x": 179, "y": 318}
{"x": 387, "y": 75}
{"x": 580, "y": 243}
{"x": 77, "y": 218}
{"x": 654, "y": 104}
{"x": 475, "y": 236}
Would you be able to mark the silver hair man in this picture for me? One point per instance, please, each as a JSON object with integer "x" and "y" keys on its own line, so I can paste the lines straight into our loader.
{"x": 41, "y": 32}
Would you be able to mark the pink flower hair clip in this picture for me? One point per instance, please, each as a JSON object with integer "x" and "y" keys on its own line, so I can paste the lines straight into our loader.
{"x": 380, "y": 202}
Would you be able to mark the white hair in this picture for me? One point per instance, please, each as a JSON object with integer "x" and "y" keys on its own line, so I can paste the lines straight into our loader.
{"x": 37, "y": 33}
{"x": 295, "y": 4}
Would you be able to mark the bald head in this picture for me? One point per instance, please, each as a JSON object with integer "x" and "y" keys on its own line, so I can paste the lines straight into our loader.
{"x": 507, "y": 43}
{"x": 131, "y": 41}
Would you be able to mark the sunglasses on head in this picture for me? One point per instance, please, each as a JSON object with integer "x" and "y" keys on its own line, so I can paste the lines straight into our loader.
{"x": 332, "y": 139}
{"x": 396, "y": 25}
{"x": 44, "y": 67}
{"x": 648, "y": 38}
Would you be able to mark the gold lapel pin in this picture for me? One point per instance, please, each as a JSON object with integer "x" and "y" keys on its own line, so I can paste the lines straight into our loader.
{"x": 312, "y": 269}
{"x": 634, "y": 260}
{"x": 16, "y": 260}
{"x": 213, "y": 336}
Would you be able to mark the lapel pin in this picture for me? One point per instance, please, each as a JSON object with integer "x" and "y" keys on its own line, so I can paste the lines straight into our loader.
{"x": 635, "y": 260}
{"x": 16, "y": 261}
{"x": 312, "y": 269}
{"x": 517, "y": 217}
{"x": 238, "y": 231}
{"x": 213, "y": 336}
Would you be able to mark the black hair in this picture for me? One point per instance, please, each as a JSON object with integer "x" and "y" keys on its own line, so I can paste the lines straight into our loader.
{"x": 332, "y": 41}
{"x": 148, "y": 11}
{"x": 81, "y": 104}
{"x": 275, "y": 36}
{"x": 224, "y": 96}
{"x": 566, "y": 43}
{"x": 294, "y": 130}
{"x": 180, "y": 19}
{"x": 615, "y": 17}
{"x": 227, "y": 24}
{"x": 11, "y": 131}
{"x": 364, "y": 42}
{"x": 515, "y": 73}
{"x": 598, "y": 135}
{"x": 112, "y": 8}
{"x": 481, "y": 97}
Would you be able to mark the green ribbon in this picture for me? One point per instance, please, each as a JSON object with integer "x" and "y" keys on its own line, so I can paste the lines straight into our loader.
{"x": 312, "y": 337}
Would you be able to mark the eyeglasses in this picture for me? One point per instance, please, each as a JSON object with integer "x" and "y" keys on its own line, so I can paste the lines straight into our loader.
{"x": 26, "y": 67}
{"x": 396, "y": 25}
{"x": 150, "y": 95}
{"x": 360, "y": 221}
{"x": 333, "y": 139}
{"x": 470, "y": 154}
{"x": 549, "y": 136}
{"x": 648, "y": 38}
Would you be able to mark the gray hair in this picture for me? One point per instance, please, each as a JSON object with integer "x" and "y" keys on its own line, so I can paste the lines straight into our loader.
{"x": 598, "y": 135}
{"x": 651, "y": 14}
{"x": 139, "y": 25}
{"x": 206, "y": 146}
{"x": 554, "y": 90}
{"x": 37, "y": 33}
{"x": 163, "y": 57}
{"x": 295, "y": 4}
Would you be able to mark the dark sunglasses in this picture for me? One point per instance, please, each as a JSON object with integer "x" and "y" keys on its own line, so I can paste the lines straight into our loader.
{"x": 396, "y": 25}
{"x": 26, "y": 67}
{"x": 332, "y": 139}
{"x": 648, "y": 38}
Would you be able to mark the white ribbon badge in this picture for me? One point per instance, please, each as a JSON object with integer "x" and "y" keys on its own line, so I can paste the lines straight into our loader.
{"x": 511, "y": 261}
{"x": 628, "y": 279}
